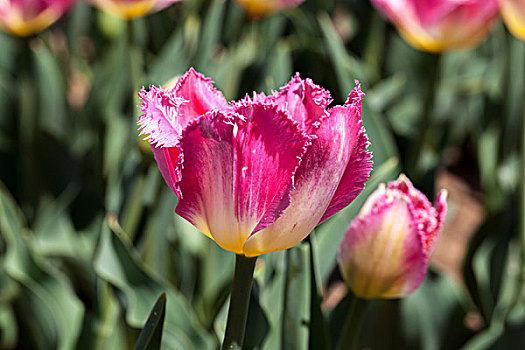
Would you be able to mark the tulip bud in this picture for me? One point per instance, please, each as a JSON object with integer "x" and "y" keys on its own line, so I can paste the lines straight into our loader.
{"x": 386, "y": 249}
{"x": 513, "y": 13}
{"x": 258, "y": 8}
{"x": 441, "y": 25}
{"x": 129, "y": 9}
{"x": 26, "y": 17}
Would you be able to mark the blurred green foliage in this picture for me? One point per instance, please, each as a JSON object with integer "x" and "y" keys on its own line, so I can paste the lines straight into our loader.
{"x": 88, "y": 237}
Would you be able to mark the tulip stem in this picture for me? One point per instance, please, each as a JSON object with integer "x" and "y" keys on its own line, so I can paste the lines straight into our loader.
{"x": 239, "y": 302}
{"x": 522, "y": 199}
{"x": 350, "y": 334}
{"x": 426, "y": 121}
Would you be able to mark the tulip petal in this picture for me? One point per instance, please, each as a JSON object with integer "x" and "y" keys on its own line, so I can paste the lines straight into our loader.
{"x": 382, "y": 254}
{"x": 359, "y": 165}
{"x": 428, "y": 219}
{"x": 441, "y": 208}
{"x": 168, "y": 160}
{"x": 266, "y": 167}
{"x": 199, "y": 94}
{"x": 236, "y": 179}
{"x": 305, "y": 102}
{"x": 162, "y": 119}
{"x": 316, "y": 181}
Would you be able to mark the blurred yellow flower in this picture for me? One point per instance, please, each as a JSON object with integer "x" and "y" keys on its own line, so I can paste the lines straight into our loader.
{"x": 513, "y": 13}
{"x": 129, "y": 9}
{"x": 258, "y": 8}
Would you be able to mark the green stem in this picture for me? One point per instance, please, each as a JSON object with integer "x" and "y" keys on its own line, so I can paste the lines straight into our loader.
{"x": 350, "y": 333}
{"x": 239, "y": 302}
{"x": 426, "y": 122}
{"x": 522, "y": 199}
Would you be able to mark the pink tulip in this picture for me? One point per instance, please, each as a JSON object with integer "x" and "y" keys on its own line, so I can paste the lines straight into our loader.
{"x": 256, "y": 175}
{"x": 129, "y": 9}
{"x": 26, "y": 17}
{"x": 441, "y": 25}
{"x": 513, "y": 13}
{"x": 257, "y": 8}
{"x": 386, "y": 249}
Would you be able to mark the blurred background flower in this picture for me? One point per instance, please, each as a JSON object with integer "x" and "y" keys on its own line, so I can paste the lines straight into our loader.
{"x": 386, "y": 249}
{"x": 440, "y": 25}
{"x": 257, "y": 8}
{"x": 26, "y": 17}
{"x": 513, "y": 13}
{"x": 129, "y": 9}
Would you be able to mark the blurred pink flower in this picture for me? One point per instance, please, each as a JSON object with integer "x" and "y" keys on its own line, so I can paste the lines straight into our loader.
{"x": 129, "y": 9}
{"x": 441, "y": 25}
{"x": 386, "y": 249}
{"x": 257, "y": 8}
{"x": 256, "y": 175}
{"x": 26, "y": 17}
{"x": 513, "y": 13}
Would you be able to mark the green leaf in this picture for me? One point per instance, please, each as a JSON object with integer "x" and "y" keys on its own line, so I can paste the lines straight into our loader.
{"x": 52, "y": 91}
{"x": 151, "y": 335}
{"x": 53, "y": 313}
{"x": 296, "y": 312}
{"x": 117, "y": 263}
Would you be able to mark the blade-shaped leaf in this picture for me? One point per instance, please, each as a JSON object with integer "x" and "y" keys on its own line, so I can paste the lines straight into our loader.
{"x": 151, "y": 335}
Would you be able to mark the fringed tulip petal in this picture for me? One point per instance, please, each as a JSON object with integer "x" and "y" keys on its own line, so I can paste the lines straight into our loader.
{"x": 386, "y": 249}
{"x": 269, "y": 149}
{"x": 436, "y": 26}
{"x": 169, "y": 160}
{"x": 162, "y": 120}
{"x": 207, "y": 184}
{"x": 167, "y": 113}
{"x": 305, "y": 102}
{"x": 316, "y": 181}
{"x": 236, "y": 179}
{"x": 199, "y": 95}
{"x": 359, "y": 165}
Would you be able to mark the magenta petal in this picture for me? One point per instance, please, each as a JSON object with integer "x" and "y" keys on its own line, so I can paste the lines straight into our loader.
{"x": 266, "y": 166}
{"x": 168, "y": 160}
{"x": 305, "y": 102}
{"x": 359, "y": 165}
{"x": 441, "y": 208}
{"x": 199, "y": 95}
{"x": 207, "y": 182}
{"x": 316, "y": 181}
{"x": 161, "y": 119}
{"x": 236, "y": 179}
